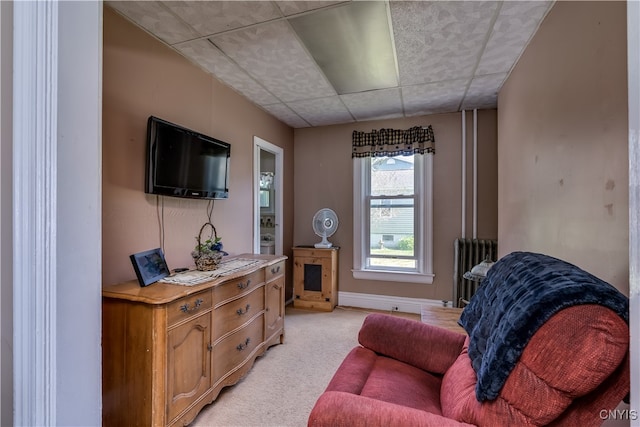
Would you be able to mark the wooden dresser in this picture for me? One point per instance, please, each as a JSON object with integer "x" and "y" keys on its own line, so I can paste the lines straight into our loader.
{"x": 168, "y": 350}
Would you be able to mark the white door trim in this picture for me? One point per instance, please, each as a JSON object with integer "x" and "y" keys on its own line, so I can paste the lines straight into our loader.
{"x": 35, "y": 116}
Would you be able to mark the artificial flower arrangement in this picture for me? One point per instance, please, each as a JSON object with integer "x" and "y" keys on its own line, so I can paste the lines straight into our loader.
{"x": 208, "y": 254}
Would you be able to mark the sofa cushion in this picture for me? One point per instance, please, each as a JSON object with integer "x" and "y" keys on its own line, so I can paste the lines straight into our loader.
{"x": 396, "y": 382}
{"x": 547, "y": 378}
{"x": 365, "y": 373}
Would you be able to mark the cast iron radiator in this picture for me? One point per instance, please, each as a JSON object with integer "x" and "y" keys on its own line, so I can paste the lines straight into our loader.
{"x": 467, "y": 254}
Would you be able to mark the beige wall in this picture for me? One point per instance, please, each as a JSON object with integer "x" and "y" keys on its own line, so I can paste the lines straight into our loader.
{"x": 142, "y": 77}
{"x": 323, "y": 178}
{"x": 562, "y": 132}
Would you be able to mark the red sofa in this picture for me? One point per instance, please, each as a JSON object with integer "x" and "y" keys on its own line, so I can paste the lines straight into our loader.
{"x": 572, "y": 371}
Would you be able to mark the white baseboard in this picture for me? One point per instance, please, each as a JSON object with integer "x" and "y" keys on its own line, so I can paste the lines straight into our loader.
{"x": 385, "y": 302}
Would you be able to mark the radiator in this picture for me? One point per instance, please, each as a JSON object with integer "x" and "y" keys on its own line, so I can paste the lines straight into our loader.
{"x": 467, "y": 254}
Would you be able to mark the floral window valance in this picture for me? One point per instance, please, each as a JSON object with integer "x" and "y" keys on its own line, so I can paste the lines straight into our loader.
{"x": 393, "y": 142}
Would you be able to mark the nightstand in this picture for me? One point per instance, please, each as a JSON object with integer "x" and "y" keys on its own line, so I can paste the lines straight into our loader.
{"x": 315, "y": 277}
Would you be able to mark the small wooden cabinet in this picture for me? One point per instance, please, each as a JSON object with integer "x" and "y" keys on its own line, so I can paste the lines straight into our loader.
{"x": 168, "y": 350}
{"x": 315, "y": 278}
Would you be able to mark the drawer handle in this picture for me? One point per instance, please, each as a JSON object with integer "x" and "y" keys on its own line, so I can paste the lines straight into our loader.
{"x": 275, "y": 270}
{"x": 246, "y": 310}
{"x": 185, "y": 307}
{"x": 242, "y": 346}
{"x": 244, "y": 285}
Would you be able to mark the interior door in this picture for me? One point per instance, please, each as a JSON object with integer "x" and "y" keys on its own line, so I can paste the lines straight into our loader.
{"x": 268, "y": 203}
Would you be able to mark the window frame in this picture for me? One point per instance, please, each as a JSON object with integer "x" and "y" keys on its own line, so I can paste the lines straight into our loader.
{"x": 423, "y": 223}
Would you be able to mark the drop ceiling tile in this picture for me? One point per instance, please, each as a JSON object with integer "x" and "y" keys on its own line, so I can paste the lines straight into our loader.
{"x": 483, "y": 91}
{"x": 514, "y": 27}
{"x": 156, "y": 19}
{"x": 323, "y": 111}
{"x": 212, "y": 17}
{"x": 289, "y": 7}
{"x": 272, "y": 54}
{"x": 203, "y": 53}
{"x": 284, "y": 114}
{"x": 439, "y": 40}
{"x": 374, "y": 105}
{"x": 432, "y": 98}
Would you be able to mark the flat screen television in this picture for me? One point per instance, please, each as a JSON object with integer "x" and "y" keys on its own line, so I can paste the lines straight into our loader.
{"x": 185, "y": 163}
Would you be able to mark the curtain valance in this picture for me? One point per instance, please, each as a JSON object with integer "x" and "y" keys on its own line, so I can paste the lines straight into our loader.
{"x": 393, "y": 142}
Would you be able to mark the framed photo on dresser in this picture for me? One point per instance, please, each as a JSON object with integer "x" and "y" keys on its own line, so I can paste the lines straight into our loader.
{"x": 150, "y": 266}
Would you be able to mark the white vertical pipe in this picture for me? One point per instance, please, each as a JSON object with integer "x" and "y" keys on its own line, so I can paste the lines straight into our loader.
{"x": 464, "y": 174}
{"x": 475, "y": 173}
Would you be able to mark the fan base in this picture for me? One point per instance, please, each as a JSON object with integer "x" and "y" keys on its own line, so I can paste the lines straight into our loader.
{"x": 323, "y": 245}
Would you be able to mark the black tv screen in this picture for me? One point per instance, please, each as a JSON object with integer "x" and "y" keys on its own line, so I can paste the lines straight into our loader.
{"x": 185, "y": 163}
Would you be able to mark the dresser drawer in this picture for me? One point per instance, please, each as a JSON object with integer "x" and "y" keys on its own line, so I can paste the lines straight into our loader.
{"x": 237, "y": 312}
{"x": 189, "y": 306}
{"x": 237, "y": 347}
{"x": 237, "y": 286}
{"x": 274, "y": 271}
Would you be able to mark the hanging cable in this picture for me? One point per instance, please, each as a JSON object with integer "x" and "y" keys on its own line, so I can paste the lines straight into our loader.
{"x": 210, "y": 205}
{"x": 160, "y": 215}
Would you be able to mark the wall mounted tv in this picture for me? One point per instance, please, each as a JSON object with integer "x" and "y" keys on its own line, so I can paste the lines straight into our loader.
{"x": 185, "y": 163}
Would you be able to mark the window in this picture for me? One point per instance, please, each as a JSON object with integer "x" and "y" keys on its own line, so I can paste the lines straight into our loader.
{"x": 393, "y": 218}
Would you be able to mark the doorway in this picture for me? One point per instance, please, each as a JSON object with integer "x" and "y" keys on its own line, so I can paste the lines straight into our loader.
{"x": 268, "y": 184}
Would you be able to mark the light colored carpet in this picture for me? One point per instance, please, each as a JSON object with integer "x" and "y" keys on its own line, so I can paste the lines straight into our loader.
{"x": 284, "y": 384}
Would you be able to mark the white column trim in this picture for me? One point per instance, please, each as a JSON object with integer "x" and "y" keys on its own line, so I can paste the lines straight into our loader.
{"x": 34, "y": 225}
{"x": 633, "y": 64}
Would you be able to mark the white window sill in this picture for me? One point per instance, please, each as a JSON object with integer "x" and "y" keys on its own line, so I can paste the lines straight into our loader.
{"x": 393, "y": 276}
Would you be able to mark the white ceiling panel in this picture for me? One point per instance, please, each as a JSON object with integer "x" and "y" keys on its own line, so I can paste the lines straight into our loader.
{"x": 448, "y": 55}
{"x": 273, "y": 55}
{"x": 432, "y": 98}
{"x": 440, "y": 40}
{"x": 322, "y": 111}
{"x": 209, "y": 57}
{"x": 154, "y": 17}
{"x": 289, "y": 7}
{"x": 212, "y": 17}
{"x": 285, "y": 114}
{"x": 483, "y": 91}
{"x": 374, "y": 105}
{"x": 516, "y": 23}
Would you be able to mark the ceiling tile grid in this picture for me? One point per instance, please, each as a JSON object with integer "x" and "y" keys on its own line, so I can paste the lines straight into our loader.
{"x": 449, "y": 55}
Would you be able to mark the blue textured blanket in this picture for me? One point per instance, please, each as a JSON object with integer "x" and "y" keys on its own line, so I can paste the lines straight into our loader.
{"x": 520, "y": 293}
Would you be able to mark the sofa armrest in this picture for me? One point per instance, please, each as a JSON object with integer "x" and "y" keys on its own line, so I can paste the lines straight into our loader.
{"x": 430, "y": 348}
{"x": 336, "y": 408}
